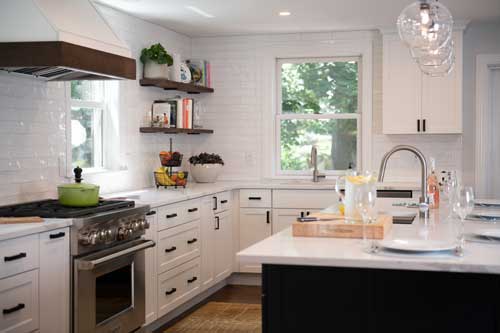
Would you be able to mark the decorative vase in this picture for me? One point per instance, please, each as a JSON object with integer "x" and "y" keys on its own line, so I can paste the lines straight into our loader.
{"x": 153, "y": 70}
{"x": 205, "y": 173}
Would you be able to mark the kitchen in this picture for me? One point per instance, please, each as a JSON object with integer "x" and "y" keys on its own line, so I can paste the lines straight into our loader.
{"x": 281, "y": 107}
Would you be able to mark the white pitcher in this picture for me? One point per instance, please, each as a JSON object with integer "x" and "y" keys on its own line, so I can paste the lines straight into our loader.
{"x": 353, "y": 182}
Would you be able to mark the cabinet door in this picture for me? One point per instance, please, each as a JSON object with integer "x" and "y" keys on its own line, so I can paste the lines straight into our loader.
{"x": 255, "y": 225}
{"x": 223, "y": 246}
{"x": 55, "y": 281}
{"x": 442, "y": 97}
{"x": 207, "y": 243}
{"x": 402, "y": 82}
{"x": 150, "y": 269}
{"x": 283, "y": 218}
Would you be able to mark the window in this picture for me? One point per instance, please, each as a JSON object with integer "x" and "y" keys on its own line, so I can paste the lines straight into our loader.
{"x": 87, "y": 108}
{"x": 317, "y": 105}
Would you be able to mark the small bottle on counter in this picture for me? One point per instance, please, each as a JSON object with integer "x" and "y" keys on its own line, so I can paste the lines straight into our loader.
{"x": 433, "y": 186}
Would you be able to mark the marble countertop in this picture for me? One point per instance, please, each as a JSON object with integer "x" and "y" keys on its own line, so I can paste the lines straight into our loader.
{"x": 8, "y": 231}
{"x": 158, "y": 197}
{"x": 283, "y": 248}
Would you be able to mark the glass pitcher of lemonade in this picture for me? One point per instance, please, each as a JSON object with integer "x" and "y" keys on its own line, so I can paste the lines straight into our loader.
{"x": 353, "y": 182}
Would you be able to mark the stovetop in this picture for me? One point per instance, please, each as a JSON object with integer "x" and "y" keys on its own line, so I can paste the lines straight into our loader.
{"x": 53, "y": 209}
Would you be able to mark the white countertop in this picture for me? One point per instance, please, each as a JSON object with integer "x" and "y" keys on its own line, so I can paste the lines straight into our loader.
{"x": 8, "y": 231}
{"x": 283, "y": 248}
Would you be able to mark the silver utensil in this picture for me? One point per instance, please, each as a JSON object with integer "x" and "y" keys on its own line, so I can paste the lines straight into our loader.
{"x": 479, "y": 217}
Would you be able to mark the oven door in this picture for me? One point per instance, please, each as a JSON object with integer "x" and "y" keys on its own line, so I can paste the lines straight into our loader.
{"x": 109, "y": 289}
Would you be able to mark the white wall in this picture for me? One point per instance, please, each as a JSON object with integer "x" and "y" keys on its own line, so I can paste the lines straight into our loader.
{"x": 33, "y": 130}
{"x": 479, "y": 38}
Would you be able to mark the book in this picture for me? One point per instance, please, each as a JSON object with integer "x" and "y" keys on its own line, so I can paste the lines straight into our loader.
{"x": 180, "y": 120}
{"x": 187, "y": 113}
{"x": 198, "y": 72}
{"x": 209, "y": 75}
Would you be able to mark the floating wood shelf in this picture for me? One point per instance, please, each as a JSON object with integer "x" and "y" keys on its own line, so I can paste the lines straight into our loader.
{"x": 173, "y": 85}
{"x": 175, "y": 130}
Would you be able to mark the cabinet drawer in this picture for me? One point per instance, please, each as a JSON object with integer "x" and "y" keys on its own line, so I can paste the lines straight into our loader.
{"x": 18, "y": 255}
{"x": 223, "y": 201}
{"x": 178, "y": 245}
{"x": 173, "y": 215}
{"x": 317, "y": 199}
{"x": 178, "y": 285}
{"x": 254, "y": 198}
{"x": 19, "y": 303}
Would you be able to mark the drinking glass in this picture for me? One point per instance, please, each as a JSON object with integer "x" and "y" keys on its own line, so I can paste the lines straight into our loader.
{"x": 364, "y": 200}
{"x": 463, "y": 204}
{"x": 450, "y": 189}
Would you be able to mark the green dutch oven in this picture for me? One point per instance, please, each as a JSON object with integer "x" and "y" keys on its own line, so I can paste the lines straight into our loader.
{"x": 78, "y": 194}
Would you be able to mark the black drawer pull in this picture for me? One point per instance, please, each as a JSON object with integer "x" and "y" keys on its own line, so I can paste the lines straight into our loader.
{"x": 418, "y": 125}
{"x": 173, "y": 248}
{"x": 15, "y": 257}
{"x": 18, "y": 307}
{"x": 217, "y": 223}
{"x": 192, "y": 210}
{"x": 152, "y": 212}
{"x": 215, "y": 203}
{"x": 58, "y": 235}
{"x": 171, "y": 216}
{"x": 191, "y": 241}
{"x": 423, "y": 125}
{"x": 223, "y": 201}
{"x": 171, "y": 291}
{"x": 194, "y": 278}
{"x": 254, "y": 198}
{"x": 268, "y": 217}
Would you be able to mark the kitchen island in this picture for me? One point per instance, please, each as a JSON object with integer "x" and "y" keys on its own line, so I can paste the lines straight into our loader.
{"x": 333, "y": 285}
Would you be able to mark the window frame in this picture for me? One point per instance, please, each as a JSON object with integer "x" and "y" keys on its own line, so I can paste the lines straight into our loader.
{"x": 279, "y": 116}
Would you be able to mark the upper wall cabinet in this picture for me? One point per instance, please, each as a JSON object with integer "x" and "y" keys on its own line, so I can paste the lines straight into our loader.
{"x": 415, "y": 103}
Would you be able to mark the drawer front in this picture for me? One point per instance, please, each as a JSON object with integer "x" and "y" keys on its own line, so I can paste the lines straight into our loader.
{"x": 178, "y": 245}
{"x": 176, "y": 214}
{"x": 315, "y": 199}
{"x": 255, "y": 198}
{"x": 18, "y": 255}
{"x": 178, "y": 286}
{"x": 19, "y": 303}
{"x": 223, "y": 201}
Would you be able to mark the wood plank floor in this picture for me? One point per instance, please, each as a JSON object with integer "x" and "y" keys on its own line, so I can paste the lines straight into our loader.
{"x": 228, "y": 294}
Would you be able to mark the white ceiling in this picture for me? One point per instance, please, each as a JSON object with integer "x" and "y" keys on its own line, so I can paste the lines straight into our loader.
{"x": 261, "y": 16}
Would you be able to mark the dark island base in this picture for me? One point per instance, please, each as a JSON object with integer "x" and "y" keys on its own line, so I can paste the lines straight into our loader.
{"x": 351, "y": 300}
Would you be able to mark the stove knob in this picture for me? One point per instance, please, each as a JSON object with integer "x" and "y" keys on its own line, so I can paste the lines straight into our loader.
{"x": 121, "y": 234}
{"x": 136, "y": 226}
{"x": 93, "y": 237}
{"x": 130, "y": 232}
{"x": 102, "y": 236}
{"x": 109, "y": 235}
{"x": 84, "y": 239}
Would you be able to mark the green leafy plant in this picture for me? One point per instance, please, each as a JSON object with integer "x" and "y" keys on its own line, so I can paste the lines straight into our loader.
{"x": 156, "y": 53}
{"x": 205, "y": 158}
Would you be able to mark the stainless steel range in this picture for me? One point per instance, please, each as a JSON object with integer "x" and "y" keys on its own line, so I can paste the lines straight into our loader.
{"x": 108, "y": 255}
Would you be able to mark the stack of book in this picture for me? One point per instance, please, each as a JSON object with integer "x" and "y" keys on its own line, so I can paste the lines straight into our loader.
{"x": 201, "y": 73}
{"x": 181, "y": 112}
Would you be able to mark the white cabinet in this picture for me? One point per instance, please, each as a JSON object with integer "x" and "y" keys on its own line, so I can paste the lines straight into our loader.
{"x": 313, "y": 199}
{"x": 255, "y": 198}
{"x": 54, "y": 278}
{"x": 150, "y": 270}
{"x": 223, "y": 250}
{"x": 18, "y": 255}
{"x": 283, "y": 218}
{"x": 255, "y": 225}
{"x": 207, "y": 244}
{"x": 415, "y": 103}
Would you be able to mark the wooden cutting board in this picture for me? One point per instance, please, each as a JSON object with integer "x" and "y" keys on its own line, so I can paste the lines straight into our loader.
{"x": 18, "y": 220}
{"x": 340, "y": 228}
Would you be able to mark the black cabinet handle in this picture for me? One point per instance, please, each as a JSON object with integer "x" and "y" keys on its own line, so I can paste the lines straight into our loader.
{"x": 152, "y": 212}
{"x": 171, "y": 291}
{"x": 194, "y": 278}
{"x": 192, "y": 210}
{"x": 254, "y": 198}
{"x": 423, "y": 124}
{"x": 308, "y": 213}
{"x": 58, "y": 235}
{"x": 268, "y": 217}
{"x": 173, "y": 248}
{"x": 223, "y": 201}
{"x": 15, "y": 257}
{"x": 18, "y": 307}
{"x": 215, "y": 203}
{"x": 191, "y": 241}
{"x": 171, "y": 216}
{"x": 418, "y": 125}
{"x": 217, "y": 223}
{"x": 301, "y": 214}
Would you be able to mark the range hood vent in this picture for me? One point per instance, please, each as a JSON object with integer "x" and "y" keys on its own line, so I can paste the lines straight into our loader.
{"x": 61, "y": 40}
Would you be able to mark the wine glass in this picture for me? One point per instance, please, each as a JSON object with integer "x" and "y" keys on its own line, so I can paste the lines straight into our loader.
{"x": 364, "y": 200}
{"x": 463, "y": 204}
{"x": 450, "y": 189}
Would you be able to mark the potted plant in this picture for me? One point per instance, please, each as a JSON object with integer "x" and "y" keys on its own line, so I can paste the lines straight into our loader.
{"x": 156, "y": 62}
{"x": 206, "y": 167}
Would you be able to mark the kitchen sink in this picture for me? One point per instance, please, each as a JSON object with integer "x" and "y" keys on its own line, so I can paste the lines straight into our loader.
{"x": 408, "y": 219}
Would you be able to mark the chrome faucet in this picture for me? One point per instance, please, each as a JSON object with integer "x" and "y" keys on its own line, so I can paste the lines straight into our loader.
{"x": 314, "y": 162}
{"x": 423, "y": 164}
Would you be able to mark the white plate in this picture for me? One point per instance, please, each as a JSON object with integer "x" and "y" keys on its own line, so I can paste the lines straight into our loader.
{"x": 417, "y": 245}
{"x": 490, "y": 233}
{"x": 399, "y": 213}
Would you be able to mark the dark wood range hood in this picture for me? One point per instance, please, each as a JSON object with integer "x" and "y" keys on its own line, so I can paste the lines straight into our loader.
{"x": 62, "y": 61}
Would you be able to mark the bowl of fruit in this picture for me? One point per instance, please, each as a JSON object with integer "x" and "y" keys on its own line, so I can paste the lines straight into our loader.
{"x": 206, "y": 167}
{"x": 170, "y": 159}
{"x": 163, "y": 178}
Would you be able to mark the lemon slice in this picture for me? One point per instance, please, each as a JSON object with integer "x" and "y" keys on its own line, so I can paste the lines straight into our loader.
{"x": 360, "y": 180}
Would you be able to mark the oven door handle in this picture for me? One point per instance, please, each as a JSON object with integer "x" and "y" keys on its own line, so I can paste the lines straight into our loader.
{"x": 87, "y": 265}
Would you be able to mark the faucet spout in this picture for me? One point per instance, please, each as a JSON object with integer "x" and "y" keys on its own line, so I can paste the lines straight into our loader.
{"x": 314, "y": 161}
{"x": 423, "y": 164}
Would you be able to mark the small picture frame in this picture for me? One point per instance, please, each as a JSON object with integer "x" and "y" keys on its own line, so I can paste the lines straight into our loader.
{"x": 160, "y": 114}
